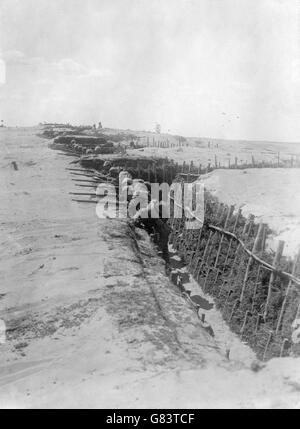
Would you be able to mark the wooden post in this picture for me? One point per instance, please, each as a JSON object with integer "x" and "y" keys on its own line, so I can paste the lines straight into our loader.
{"x": 248, "y": 313}
{"x": 270, "y": 336}
{"x": 247, "y": 226}
{"x": 229, "y": 214}
{"x": 283, "y": 346}
{"x": 258, "y": 322}
{"x": 223, "y": 209}
{"x": 264, "y": 239}
{"x": 255, "y": 249}
{"x": 294, "y": 271}
{"x": 194, "y": 256}
{"x": 197, "y": 266}
{"x": 197, "y": 271}
{"x": 273, "y": 274}
{"x": 257, "y": 282}
{"x": 235, "y": 305}
{"x": 230, "y": 244}
{"x": 239, "y": 213}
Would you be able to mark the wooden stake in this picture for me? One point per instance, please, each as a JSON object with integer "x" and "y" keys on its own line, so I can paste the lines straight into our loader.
{"x": 294, "y": 271}
{"x": 248, "y": 313}
{"x": 229, "y": 214}
{"x": 268, "y": 344}
{"x": 230, "y": 244}
{"x": 255, "y": 249}
{"x": 247, "y": 227}
{"x": 273, "y": 274}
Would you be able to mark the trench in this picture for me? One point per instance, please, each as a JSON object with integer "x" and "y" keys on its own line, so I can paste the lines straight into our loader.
{"x": 210, "y": 306}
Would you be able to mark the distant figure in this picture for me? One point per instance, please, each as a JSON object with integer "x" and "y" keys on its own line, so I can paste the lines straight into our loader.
{"x": 99, "y": 126}
{"x": 198, "y": 301}
{"x": 15, "y": 165}
{"x": 150, "y": 217}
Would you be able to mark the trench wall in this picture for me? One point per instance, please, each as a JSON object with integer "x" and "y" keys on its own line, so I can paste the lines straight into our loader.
{"x": 258, "y": 292}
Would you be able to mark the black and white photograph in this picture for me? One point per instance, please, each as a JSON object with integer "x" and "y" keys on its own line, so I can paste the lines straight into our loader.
{"x": 150, "y": 207}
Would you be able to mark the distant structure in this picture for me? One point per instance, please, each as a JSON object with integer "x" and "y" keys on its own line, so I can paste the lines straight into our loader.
{"x": 2, "y": 124}
{"x": 100, "y": 126}
{"x": 158, "y": 129}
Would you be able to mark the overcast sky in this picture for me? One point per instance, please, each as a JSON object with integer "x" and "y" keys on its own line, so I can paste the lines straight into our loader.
{"x": 217, "y": 68}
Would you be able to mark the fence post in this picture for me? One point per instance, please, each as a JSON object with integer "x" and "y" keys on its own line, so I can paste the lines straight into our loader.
{"x": 294, "y": 270}
{"x": 229, "y": 214}
{"x": 230, "y": 243}
{"x": 221, "y": 216}
{"x": 245, "y": 233}
{"x": 273, "y": 274}
{"x": 255, "y": 249}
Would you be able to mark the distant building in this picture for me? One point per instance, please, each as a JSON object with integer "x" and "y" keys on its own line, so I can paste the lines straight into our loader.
{"x": 158, "y": 129}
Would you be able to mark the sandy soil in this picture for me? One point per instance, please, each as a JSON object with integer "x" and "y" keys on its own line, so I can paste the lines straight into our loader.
{"x": 203, "y": 150}
{"x": 92, "y": 320}
{"x": 272, "y": 195}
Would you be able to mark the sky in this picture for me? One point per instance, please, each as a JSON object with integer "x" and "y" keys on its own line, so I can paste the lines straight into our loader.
{"x": 213, "y": 68}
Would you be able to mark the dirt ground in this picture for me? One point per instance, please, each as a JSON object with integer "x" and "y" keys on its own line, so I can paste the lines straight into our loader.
{"x": 91, "y": 319}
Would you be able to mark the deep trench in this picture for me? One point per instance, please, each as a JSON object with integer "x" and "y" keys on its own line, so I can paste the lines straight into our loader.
{"x": 178, "y": 259}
